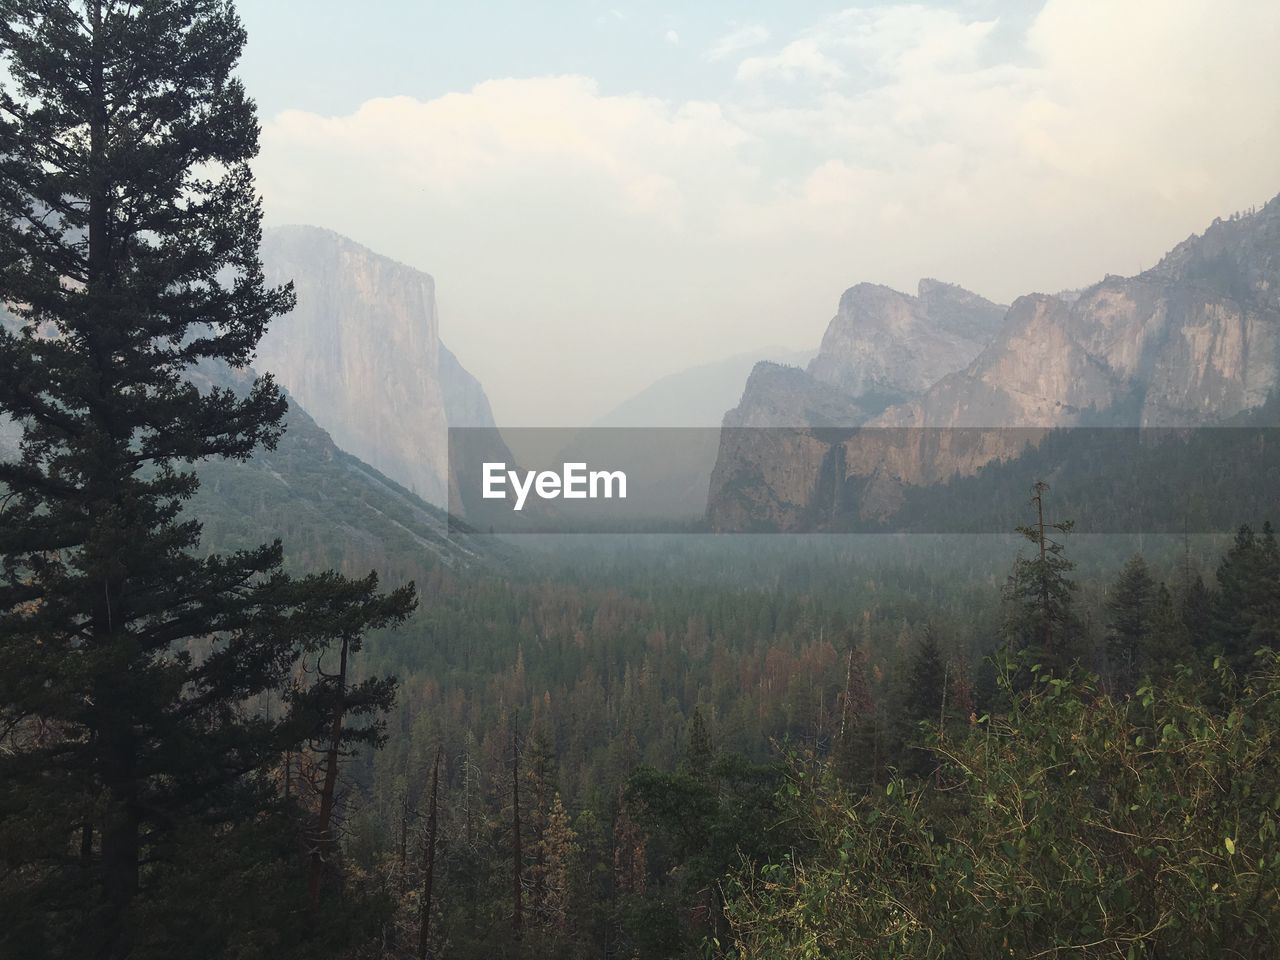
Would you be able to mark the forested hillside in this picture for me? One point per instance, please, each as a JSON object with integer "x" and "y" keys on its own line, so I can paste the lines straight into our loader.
{"x": 654, "y": 722}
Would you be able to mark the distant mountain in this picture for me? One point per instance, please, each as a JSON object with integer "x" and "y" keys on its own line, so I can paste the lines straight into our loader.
{"x": 329, "y": 508}
{"x": 699, "y": 396}
{"x": 884, "y": 347}
{"x": 777, "y": 395}
{"x": 362, "y": 354}
{"x": 1193, "y": 341}
{"x": 665, "y": 437}
{"x": 881, "y": 348}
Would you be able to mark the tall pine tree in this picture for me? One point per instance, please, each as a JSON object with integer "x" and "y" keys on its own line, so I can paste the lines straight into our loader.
{"x": 1040, "y": 593}
{"x": 1246, "y": 611}
{"x": 129, "y": 233}
{"x": 922, "y": 700}
{"x": 1131, "y": 614}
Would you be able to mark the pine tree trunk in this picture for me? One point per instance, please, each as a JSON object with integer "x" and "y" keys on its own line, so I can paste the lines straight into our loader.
{"x": 848, "y": 687}
{"x": 404, "y": 841}
{"x": 323, "y": 848}
{"x": 121, "y": 847}
{"x": 1046, "y": 620}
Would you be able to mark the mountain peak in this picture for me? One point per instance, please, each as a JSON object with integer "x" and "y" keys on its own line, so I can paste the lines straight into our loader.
{"x": 884, "y": 345}
{"x": 362, "y": 353}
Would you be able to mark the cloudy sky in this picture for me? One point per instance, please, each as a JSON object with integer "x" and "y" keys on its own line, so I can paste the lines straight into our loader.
{"x": 609, "y": 192}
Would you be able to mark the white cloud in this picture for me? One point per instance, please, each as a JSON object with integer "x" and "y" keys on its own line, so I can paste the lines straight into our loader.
{"x": 672, "y": 38}
{"x": 798, "y": 60}
{"x": 875, "y": 43}
{"x": 586, "y": 243}
{"x": 737, "y": 40}
{"x": 891, "y": 40}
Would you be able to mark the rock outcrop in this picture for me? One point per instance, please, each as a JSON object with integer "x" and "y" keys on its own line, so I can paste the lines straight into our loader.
{"x": 1194, "y": 341}
{"x": 884, "y": 346}
{"x": 362, "y": 353}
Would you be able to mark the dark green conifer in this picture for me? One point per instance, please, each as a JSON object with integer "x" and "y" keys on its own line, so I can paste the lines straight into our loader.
{"x": 1246, "y": 610}
{"x": 1040, "y": 593}
{"x": 1130, "y": 611}
{"x": 1169, "y": 643}
{"x": 856, "y": 754}
{"x": 922, "y": 701}
{"x": 1196, "y": 610}
{"x": 926, "y": 680}
{"x": 129, "y": 233}
{"x": 699, "y": 752}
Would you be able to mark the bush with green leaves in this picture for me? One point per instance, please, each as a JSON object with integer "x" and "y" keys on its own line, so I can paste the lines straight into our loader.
{"x": 1074, "y": 825}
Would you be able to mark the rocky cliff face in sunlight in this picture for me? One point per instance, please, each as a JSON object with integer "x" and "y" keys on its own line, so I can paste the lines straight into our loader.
{"x": 362, "y": 354}
{"x": 1193, "y": 341}
{"x": 882, "y": 347}
{"x": 885, "y": 346}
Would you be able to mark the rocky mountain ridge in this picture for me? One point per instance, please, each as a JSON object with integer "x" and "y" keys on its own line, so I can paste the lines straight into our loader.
{"x": 1193, "y": 341}
{"x": 885, "y": 346}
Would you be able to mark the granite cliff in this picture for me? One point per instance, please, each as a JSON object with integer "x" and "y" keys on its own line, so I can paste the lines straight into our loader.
{"x": 362, "y": 354}
{"x": 884, "y": 346}
{"x": 1193, "y": 341}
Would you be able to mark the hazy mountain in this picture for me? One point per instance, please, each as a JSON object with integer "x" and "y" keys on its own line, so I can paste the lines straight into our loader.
{"x": 1195, "y": 340}
{"x": 331, "y": 509}
{"x": 882, "y": 347}
{"x": 699, "y": 396}
{"x": 665, "y": 437}
{"x": 777, "y": 394}
{"x": 885, "y": 346}
{"x": 362, "y": 354}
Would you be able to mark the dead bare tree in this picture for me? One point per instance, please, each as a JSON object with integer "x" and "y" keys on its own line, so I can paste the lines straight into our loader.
{"x": 429, "y": 859}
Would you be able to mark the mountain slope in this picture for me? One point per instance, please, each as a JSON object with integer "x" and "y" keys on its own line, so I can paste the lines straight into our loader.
{"x": 1194, "y": 340}
{"x": 329, "y": 508}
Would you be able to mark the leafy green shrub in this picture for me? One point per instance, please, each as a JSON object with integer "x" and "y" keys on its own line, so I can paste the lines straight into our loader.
{"x": 1076, "y": 825}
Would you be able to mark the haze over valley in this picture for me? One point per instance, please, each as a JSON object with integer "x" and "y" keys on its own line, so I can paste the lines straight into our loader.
{"x": 630, "y": 481}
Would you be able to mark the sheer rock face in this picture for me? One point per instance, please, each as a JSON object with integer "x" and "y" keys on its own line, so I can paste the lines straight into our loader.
{"x": 765, "y": 477}
{"x": 883, "y": 347}
{"x": 361, "y": 352}
{"x": 1193, "y": 341}
{"x": 890, "y": 346}
{"x": 779, "y": 394}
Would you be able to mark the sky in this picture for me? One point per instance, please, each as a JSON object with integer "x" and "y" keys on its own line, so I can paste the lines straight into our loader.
{"x": 608, "y": 192}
